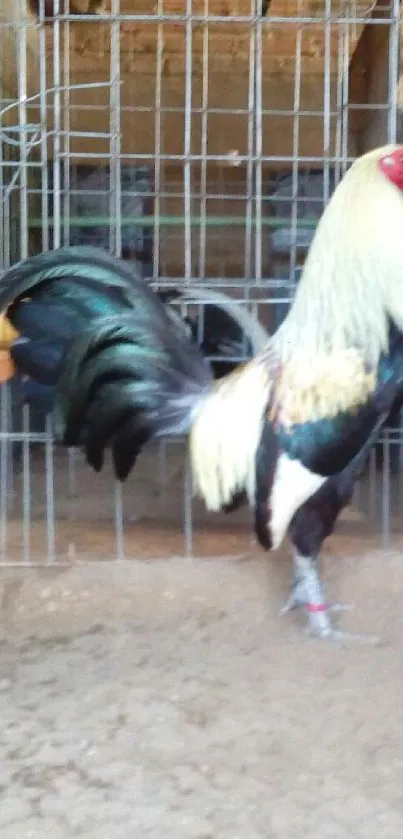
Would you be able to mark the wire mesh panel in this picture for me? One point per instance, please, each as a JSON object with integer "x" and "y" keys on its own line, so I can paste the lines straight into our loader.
{"x": 199, "y": 140}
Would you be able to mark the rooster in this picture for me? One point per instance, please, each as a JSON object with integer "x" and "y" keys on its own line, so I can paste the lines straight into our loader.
{"x": 69, "y": 288}
{"x": 229, "y": 331}
{"x": 291, "y": 427}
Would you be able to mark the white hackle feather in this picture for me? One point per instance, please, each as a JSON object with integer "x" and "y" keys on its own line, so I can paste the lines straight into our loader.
{"x": 352, "y": 279}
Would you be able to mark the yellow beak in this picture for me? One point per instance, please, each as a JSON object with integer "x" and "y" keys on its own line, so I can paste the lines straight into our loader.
{"x": 7, "y": 333}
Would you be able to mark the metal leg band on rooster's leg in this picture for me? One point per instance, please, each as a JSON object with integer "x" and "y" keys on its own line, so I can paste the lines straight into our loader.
{"x": 308, "y": 592}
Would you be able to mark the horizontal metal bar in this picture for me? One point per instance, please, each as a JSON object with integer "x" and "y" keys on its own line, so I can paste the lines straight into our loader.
{"x": 342, "y": 20}
{"x": 210, "y": 158}
{"x": 176, "y": 221}
{"x": 19, "y": 437}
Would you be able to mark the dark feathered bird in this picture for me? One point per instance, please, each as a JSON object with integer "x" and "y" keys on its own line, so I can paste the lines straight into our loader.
{"x": 228, "y": 333}
{"x": 82, "y": 303}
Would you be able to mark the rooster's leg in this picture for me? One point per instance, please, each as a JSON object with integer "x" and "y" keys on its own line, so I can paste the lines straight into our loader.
{"x": 308, "y": 592}
{"x": 311, "y": 525}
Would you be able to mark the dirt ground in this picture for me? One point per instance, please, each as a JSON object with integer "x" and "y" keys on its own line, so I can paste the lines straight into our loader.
{"x": 168, "y": 699}
{"x": 165, "y": 697}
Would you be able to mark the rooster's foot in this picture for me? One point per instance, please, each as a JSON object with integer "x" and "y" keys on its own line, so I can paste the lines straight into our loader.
{"x": 299, "y": 597}
{"x": 337, "y": 636}
{"x": 308, "y": 592}
{"x": 319, "y": 626}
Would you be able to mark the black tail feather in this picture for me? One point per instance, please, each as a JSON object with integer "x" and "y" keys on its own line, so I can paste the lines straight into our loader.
{"x": 79, "y": 265}
{"x": 125, "y": 380}
{"x": 124, "y": 370}
{"x": 107, "y": 419}
{"x": 127, "y": 446}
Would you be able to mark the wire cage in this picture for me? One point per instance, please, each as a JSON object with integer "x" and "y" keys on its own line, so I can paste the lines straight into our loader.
{"x": 200, "y": 140}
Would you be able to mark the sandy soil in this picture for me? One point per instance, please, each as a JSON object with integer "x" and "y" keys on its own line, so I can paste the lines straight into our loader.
{"x": 167, "y": 698}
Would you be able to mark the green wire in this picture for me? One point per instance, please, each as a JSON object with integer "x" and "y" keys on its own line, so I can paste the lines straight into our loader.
{"x": 177, "y": 221}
